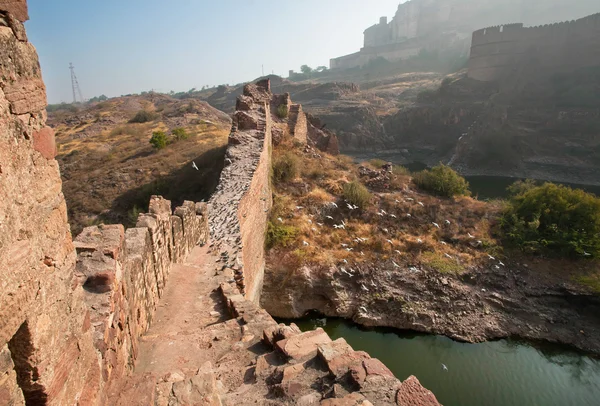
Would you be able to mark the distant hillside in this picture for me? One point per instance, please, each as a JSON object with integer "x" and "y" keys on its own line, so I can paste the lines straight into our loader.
{"x": 109, "y": 168}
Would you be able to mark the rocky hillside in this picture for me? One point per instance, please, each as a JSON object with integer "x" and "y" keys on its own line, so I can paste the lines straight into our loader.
{"x": 409, "y": 260}
{"x": 354, "y": 112}
{"x": 110, "y": 169}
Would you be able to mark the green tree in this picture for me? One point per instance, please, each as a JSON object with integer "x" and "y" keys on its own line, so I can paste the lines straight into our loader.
{"x": 179, "y": 134}
{"x": 443, "y": 181}
{"x": 307, "y": 70}
{"x": 553, "y": 219}
{"x": 159, "y": 140}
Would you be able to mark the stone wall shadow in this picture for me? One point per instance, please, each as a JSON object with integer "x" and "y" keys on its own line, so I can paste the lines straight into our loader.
{"x": 186, "y": 183}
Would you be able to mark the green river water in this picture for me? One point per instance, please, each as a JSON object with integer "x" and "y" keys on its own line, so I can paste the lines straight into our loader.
{"x": 497, "y": 373}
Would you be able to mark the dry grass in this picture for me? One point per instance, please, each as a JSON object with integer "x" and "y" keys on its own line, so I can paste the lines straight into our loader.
{"x": 111, "y": 172}
{"x": 405, "y": 233}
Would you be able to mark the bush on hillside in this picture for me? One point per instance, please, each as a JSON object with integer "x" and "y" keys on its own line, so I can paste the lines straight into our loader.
{"x": 282, "y": 111}
{"x": 279, "y": 235}
{"x": 443, "y": 181}
{"x": 179, "y": 134}
{"x": 159, "y": 140}
{"x": 356, "y": 194}
{"x": 143, "y": 116}
{"x": 553, "y": 219}
{"x": 285, "y": 167}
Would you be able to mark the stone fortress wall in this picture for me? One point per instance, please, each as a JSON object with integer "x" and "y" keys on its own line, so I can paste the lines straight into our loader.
{"x": 442, "y": 24}
{"x": 72, "y": 312}
{"x": 499, "y": 52}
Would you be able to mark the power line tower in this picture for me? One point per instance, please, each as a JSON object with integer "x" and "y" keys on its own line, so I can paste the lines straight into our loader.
{"x": 75, "y": 85}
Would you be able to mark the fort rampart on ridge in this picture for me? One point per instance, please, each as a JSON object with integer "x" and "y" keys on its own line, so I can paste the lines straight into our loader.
{"x": 499, "y": 52}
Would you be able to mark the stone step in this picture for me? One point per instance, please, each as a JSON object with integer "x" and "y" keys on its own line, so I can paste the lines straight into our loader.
{"x": 303, "y": 346}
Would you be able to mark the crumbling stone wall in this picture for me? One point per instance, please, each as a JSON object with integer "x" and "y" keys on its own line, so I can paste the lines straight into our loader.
{"x": 500, "y": 53}
{"x": 297, "y": 123}
{"x": 239, "y": 208}
{"x": 123, "y": 275}
{"x": 46, "y": 351}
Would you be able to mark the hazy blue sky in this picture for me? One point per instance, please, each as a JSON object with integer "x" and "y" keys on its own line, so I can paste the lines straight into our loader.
{"x": 126, "y": 46}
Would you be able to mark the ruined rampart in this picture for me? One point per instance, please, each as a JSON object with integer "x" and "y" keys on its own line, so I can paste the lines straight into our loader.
{"x": 502, "y": 52}
{"x": 72, "y": 312}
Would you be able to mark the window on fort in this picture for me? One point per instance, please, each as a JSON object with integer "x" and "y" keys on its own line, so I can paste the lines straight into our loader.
{"x": 24, "y": 357}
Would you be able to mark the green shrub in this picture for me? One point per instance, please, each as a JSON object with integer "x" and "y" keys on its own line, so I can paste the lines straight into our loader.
{"x": 377, "y": 163}
{"x": 356, "y": 194}
{"x": 143, "y": 116}
{"x": 179, "y": 134}
{"x": 159, "y": 140}
{"x": 553, "y": 219}
{"x": 443, "y": 181}
{"x": 279, "y": 235}
{"x": 285, "y": 167}
{"x": 282, "y": 111}
{"x": 400, "y": 170}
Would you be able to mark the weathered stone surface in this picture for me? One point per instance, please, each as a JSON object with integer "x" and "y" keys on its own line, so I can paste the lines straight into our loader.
{"x": 18, "y": 8}
{"x": 44, "y": 142}
{"x": 17, "y": 27}
{"x": 328, "y": 352}
{"x": 343, "y": 363}
{"x": 304, "y": 345}
{"x": 412, "y": 393}
{"x": 353, "y": 399}
{"x": 200, "y": 390}
{"x": 26, "y": 96}
{"x": 375, "y": 367}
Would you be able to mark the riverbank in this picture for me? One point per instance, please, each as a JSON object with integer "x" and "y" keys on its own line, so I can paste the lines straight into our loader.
{"x": 497, "y": 373}
{"x": 481, "y": 304}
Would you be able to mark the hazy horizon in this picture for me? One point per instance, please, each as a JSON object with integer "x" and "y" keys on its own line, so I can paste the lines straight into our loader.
{"x": 128, "y": 47}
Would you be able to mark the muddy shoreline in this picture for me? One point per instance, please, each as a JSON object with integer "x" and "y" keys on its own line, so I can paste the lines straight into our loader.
{"x": 480, "y": 305}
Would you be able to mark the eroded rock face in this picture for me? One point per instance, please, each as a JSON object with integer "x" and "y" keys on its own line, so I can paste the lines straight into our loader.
{"x": 43, "y": 326}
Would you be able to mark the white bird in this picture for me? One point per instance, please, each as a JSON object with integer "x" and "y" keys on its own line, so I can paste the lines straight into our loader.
{"x": 470, "y": 236}
{"x": 314, "y": 229}
{"x": 383, "y": 211}
{"x": 408, "y": 215}
{"x": 195, "y": 166}
{"x": 373, "y": 284}
{"x": 385, "y": 230}
{"x": 444, "y": 367}
{"x": 349, "y": 249}
{"x": 363, "y": 309}
{"x": 491, "y": 257}
{"x": 395, "y": 264}
{"x": 356, "y": 207}
{"x": 586, "y": 254}
{"x": 305, "y": 243}
{"x": 393, "y": 216}
{"x": 414, "y": 269}
{"x": 320, "y": 224}
{"x": 329, "y": 217}
{"x": 500, "y": 262}
{"x": 299, "y": 207}
{"x": 496, "y": 266}
{"x": 343, "y": 223}
{"x": 363, "y": 287}
{"x": 336, "y": 226}
{"x": 380, "y": 214}
{"x": 436, "y": 225}
{"x": 410, "y": 199}
{"x": 390, "y": 241}
{"x": 347, "y": 273}
{"x": 280, "y": 219}
{"x": 398, "y": 252}
{"x": 421, "y": 204}
{"x": 309, "y": 221}
{"x": 420, "y": 241}
{"x": 344, "y": 245}
{"x": 447, "y": 222}
{"x": 344, "y": 261}
{"x": 341, "y": 226}
{"x": 333, "y": 204}
{"x": 362, "y": 253}
{"x": 397, "y": 201}
{"x": 444, "y": 243}
{"x": 350, "y": 206}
